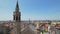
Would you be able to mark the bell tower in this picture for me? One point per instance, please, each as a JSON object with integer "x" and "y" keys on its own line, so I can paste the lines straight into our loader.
{"x": 16, "y": 13}
{"x": 17, "y": 19}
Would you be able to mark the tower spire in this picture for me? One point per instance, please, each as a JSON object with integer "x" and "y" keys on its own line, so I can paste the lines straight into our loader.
{"x": 17, "y": 6}
{"x": 16, "y": 14}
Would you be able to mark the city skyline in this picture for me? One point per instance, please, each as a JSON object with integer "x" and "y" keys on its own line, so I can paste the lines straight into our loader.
{"x": 31, "y": 9}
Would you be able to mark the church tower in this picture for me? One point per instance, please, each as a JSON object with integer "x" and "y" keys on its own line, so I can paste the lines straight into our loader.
{"x": 17, "y": 19}
{"x": 17, "y": 14}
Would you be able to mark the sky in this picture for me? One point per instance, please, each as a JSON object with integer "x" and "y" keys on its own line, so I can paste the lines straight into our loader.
{"x": 31, "y": 9}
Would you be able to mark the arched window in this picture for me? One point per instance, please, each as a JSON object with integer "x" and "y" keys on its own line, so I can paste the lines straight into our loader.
{"x": 16, "y": 18}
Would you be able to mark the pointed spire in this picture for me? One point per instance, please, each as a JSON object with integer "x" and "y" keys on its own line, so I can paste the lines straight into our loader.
{"x": 17, "y": 6}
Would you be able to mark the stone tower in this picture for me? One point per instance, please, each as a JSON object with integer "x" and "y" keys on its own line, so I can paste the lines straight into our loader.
{"x": 17, "y": 19}
{"x": 17, "y": 14}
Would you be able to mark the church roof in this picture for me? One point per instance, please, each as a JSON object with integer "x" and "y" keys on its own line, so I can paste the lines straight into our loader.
{"x": 28, "y": 30}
